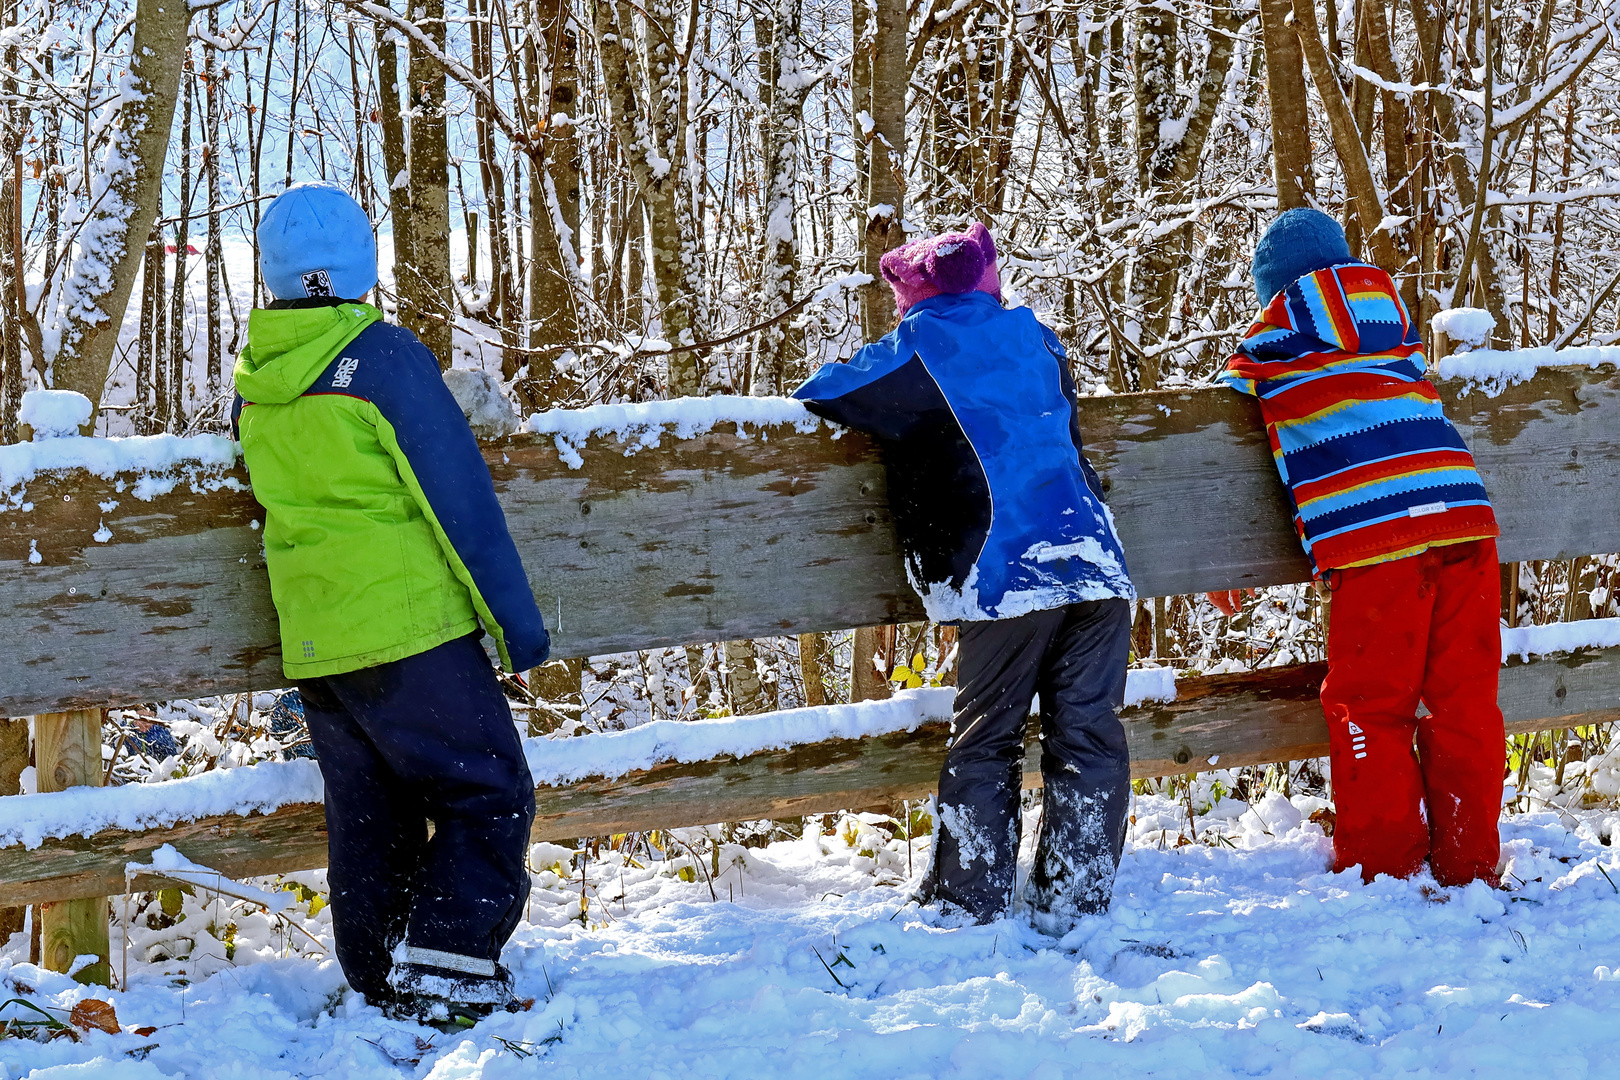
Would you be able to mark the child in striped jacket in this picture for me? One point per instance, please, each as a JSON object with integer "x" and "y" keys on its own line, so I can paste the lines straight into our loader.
{"x": 1398, "y": 528}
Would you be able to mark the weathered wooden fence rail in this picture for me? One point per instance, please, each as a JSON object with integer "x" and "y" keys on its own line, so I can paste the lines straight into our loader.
{"x": 1245, "y": 719}
{"x": 732, "y": 534}
{"x": 725, "y": 535}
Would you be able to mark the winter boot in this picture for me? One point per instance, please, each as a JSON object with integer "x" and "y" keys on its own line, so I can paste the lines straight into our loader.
{"x": 448, "y": 997}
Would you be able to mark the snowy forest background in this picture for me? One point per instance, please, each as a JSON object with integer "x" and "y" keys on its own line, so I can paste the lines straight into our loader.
{"x": 607, "y": 202}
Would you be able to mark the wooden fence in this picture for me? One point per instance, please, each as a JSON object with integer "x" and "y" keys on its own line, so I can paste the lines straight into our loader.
{"x": 751, "y": 533}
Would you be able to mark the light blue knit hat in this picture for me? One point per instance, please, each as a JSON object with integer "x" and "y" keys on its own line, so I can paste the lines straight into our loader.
{"x": 314, "y": 240}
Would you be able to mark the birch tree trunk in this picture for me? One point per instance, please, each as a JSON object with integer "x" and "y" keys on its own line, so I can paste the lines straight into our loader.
{"x": 742, "y": 678}
{"x": 127, "y": 189}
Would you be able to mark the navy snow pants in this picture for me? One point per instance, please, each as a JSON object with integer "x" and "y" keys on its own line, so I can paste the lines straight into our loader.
{"x": 1074, "y": 657}
{"x": 426, "y": 738}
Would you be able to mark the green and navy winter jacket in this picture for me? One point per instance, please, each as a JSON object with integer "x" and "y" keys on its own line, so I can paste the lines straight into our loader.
{"x": 382, "y": 533}
{"x": 997, "y": 510}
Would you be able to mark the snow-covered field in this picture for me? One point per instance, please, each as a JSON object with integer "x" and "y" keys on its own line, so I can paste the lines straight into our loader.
{"x": 1237, "y": 957}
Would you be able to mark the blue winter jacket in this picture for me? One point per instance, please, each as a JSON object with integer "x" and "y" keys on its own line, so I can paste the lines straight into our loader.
{"x": 997, "y": 510}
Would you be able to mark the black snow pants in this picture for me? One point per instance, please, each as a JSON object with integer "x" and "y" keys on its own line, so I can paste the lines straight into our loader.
{"x": 1074, "y": 657}
{"x": 426, "y": 738}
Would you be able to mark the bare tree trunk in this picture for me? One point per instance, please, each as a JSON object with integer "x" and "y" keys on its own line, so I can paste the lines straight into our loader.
{"x": 1007, "y": 103}
{"x": 1555, "y": 275}
{"x": 15, "y": 300}
{"x": 1290, "y": 118}
{"x": 146, "y": 353}
{"x": 860, "y": 96}
{"x": 492, "y": 180}
{"x": 158, "y": 269}
{"x": 1165, "y": 165}
{"x": 256, "y": 154}
{"x": 882, "y": 55}
{"x": 1361, "y": 189}
{"x": 396, "y": 160}
{"x": 1429, "y": 28}
{"x": 132, "y": 170}
{"x": 173, "y": 410}
{"x": 742, "y": 678}
{"x": 880, "y": 79}
{"x": 362, "y": 164}
{"x": 295, "y": 82}
{"x": 552, "y": 61}
{"x": 426, "y": 292}
{"x": 870, "y": 663}
{"x": 211, "y": 106}
{"x": 697, "y": 671}
{"x": 784, "y": 84}
{"x": 654, "y": 144}
{"x": 812, "y": 670}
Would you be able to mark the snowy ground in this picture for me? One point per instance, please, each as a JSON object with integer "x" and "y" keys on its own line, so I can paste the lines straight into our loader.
{"x": 1240, "y": 957}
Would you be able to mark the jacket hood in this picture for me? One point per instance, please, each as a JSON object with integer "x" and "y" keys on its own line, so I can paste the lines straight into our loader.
{"x": 1352, "y": 308}
{"x": 288, "y": 349}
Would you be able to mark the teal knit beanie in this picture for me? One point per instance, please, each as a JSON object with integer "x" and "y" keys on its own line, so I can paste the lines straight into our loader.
{"x": 1301, "y": 241}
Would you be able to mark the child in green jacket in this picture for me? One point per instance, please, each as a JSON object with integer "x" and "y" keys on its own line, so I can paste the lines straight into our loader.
{"x": 387, "y": 551}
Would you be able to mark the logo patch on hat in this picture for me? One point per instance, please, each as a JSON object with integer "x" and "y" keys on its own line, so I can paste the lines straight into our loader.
{"x": 317, "y": 283}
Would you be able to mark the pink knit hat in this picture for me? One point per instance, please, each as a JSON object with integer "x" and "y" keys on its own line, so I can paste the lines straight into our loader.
{"x": 947, "y": 263}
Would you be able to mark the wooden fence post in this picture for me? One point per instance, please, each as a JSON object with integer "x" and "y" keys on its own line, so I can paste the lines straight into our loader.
{"x": 67, "y": 753}
{"x": 13, "y": 760}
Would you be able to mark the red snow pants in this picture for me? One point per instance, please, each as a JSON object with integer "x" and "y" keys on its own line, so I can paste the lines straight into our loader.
{"x": 1420, "y": 628}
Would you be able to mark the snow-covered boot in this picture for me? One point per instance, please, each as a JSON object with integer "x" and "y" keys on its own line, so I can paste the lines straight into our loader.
{"x": 428, "y": 990}
{"x": 1077, "y": 855}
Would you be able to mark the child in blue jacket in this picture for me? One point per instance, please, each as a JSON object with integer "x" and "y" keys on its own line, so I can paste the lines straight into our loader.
{"x": 1004, "y": 531}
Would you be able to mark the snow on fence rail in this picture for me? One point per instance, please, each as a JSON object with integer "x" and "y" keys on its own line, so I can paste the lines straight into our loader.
{"x": 675, "y": 527}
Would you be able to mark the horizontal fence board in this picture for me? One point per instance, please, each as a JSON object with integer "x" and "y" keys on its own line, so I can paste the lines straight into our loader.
{"x": 729, "y": 535}
{"x": 1240, "y": 719}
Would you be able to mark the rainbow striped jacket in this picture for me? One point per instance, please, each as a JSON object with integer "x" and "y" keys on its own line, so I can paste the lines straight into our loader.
{"x": 1373, "y": 467}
